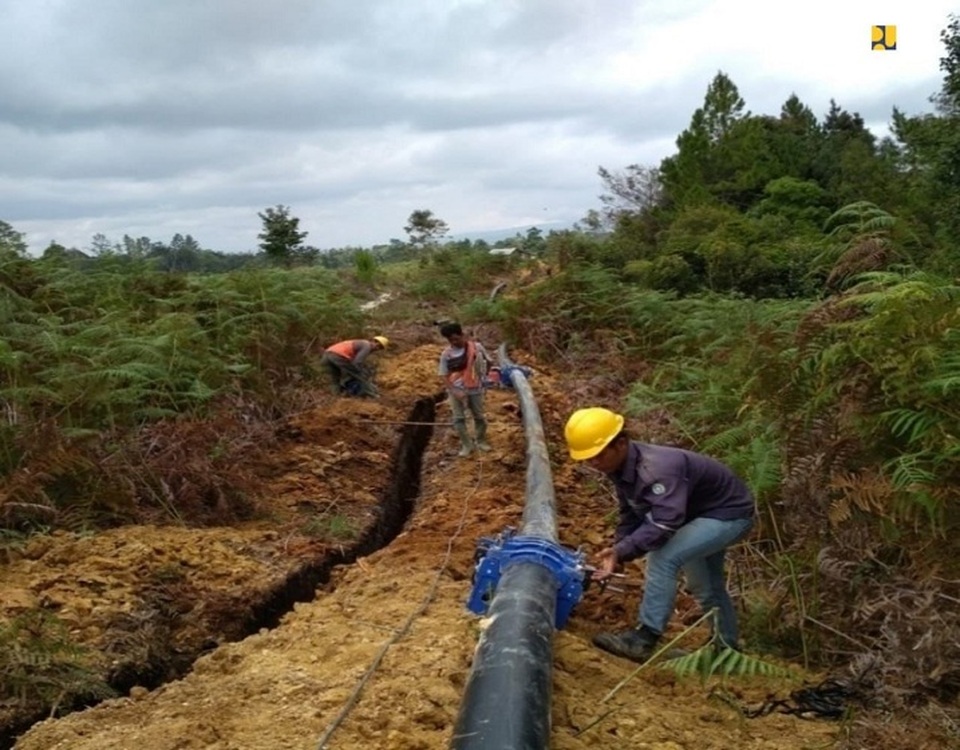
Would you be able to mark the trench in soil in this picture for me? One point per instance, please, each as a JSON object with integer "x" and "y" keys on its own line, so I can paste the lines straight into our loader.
{"x": 395, "y": 508}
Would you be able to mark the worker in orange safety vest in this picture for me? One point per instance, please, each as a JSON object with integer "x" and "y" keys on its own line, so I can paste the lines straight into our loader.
{"x": 463, "y": 367}
{"x": 345, "y": 364}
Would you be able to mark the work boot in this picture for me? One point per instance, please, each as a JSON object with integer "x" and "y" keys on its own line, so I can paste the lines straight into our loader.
{"x": 637, "y": 644}
{"x": 483, "y": 445}
{"x": 465, "y": 449}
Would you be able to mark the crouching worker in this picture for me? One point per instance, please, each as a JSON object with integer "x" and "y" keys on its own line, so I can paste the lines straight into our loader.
{"x": 679, "y": 508}
{"x": 463, "y": 366}
{"x": 345, "y": 362}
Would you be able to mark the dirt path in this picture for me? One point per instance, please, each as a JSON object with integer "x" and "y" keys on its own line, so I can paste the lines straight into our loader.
{"x": 402, "y": 606}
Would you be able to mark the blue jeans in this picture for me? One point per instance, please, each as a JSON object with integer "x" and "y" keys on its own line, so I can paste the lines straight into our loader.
{"x": 698, "y": 548}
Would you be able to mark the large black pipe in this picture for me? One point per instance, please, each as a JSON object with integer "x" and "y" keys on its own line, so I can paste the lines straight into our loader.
{"x": 506, "y": 702}
{"x": 540, "y": 506}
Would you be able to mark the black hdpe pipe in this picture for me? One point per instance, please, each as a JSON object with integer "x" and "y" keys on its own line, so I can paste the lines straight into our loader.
{"x": 506, "y": 703}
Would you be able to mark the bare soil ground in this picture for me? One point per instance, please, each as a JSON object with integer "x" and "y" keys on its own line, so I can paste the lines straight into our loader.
{"x": 395, "y": 618}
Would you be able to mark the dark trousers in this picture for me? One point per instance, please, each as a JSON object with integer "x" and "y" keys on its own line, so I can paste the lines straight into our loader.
{"x": 340, "y": 369}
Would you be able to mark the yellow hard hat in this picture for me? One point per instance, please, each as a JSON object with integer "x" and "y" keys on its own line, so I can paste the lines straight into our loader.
{"x": 588, "y": 431}
{"x": 382, "y": 340}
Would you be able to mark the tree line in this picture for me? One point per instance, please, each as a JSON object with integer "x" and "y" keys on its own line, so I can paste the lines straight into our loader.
{"x": 748, "y": 202}
{"x": 743, "y": 206}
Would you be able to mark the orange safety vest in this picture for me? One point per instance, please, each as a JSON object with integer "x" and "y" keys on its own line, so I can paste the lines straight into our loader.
{"x": 469, "y": 374}
{"x": 345, "y": 349}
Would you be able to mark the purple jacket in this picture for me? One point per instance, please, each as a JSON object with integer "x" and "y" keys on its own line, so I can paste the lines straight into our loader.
{"x": 661, "y": 488}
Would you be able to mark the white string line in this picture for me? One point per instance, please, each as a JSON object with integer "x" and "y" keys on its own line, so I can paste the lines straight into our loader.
{"x": 355, "y": 695}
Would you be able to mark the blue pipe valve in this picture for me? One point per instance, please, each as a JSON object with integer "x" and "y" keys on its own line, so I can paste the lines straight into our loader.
{"x": 493, "y": 556}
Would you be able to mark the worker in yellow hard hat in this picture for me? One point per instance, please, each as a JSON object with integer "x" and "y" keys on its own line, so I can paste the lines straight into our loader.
{"x": 680, "y": 509}
{"x": 345, "y": 363}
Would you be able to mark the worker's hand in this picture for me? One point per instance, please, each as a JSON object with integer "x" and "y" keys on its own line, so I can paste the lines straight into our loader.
{"x": 606, "y": 564}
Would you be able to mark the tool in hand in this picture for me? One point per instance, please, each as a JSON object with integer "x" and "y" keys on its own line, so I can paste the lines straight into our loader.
{"x": 606, "y": 584}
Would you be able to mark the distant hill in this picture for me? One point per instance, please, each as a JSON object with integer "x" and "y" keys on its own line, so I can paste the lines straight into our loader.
{"x": 495, "y": 235}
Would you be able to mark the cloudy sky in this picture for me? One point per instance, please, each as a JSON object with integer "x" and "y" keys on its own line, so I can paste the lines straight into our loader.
{"x": 156, "y": 117}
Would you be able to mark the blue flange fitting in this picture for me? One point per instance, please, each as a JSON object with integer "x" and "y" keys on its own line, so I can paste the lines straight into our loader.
{"x": 505, "y": 374}
{"x": 493, "y": 556}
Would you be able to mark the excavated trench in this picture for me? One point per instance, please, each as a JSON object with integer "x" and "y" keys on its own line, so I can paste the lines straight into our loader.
{"x": 395, "y": 508}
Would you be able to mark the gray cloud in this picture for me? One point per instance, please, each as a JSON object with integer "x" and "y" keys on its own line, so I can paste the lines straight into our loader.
{"x": 151, "y": 118}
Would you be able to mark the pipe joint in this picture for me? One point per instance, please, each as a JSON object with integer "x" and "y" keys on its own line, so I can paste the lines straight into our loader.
{"x": 494, "y": 555}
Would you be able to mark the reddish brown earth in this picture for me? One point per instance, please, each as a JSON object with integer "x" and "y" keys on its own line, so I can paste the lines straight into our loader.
{"x": 394, "y": 622}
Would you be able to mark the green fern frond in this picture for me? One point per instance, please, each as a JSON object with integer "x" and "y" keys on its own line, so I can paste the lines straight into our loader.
{"x": 911, "y": 470}
{"x": 707, "y": 661}
{"x": 765, "y": 463}
{"x": 947, "y": 379}
{"x": 859, "y": 217}
{"x": 911, "y": 424}
{"x": 40, "y": 664}
{"x": 733, "y": 438}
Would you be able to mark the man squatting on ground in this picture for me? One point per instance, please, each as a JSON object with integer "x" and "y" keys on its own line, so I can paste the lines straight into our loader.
{"x": 463, "y": 366}
{"x": 344, "y": 361}
{"x": 679, "y": 508}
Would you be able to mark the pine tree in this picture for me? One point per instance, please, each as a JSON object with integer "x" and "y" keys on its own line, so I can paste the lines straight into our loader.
{"x": 281, "y": 239}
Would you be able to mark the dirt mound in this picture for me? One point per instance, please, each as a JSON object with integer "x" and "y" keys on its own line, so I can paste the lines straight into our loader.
{"x": 394, "y": 622}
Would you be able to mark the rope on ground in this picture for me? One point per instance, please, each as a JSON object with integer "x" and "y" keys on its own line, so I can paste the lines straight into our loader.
{"x": 829, "y": 699}
{"x": 431, "y": 593}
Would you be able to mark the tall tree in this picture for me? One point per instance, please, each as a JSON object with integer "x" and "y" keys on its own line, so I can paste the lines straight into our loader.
{"x": 534, "y": 242}
{"x": 798, "y": 138}
{"x": 424, "y": 229}
{"x": 136, "y": 248}
{"x": 281, "y": 240}
{"x": 11, "y": 240}
{"x": 18, "y": 272}
{"x": 928, "y": 152}
{"x": 798, "y": 117}
{"x": 948, "y": 100}
{"x": 637, "y": 188}
{"x": 723, "y": 107}
{"x": 702, "y": 159}
{"x": 55, "y": 251}
{"x": 632, "y": 208}
{"x": 183, "y": 254}
{"x": 840, "y": 128}
{"x": 101, "y": 246}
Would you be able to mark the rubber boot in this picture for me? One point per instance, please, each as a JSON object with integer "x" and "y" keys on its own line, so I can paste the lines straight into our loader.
{"x": 482, "y": 444}
{"x": 466, "y": 444}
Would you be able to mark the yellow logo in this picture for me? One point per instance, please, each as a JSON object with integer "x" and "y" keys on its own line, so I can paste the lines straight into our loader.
{"x": 883, "y": 37}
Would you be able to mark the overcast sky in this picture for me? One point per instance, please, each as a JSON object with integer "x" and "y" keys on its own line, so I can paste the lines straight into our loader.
{"x": 156, "y": 117}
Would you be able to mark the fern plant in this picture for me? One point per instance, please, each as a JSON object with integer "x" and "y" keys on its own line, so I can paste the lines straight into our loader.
{"x": 41, "y": 668}
{"x": 857, "y": 219}
{"x": 894, "y": 364}
{"x": 90, "y": 359}
{"x": 709, "y": 661}
{"x": 859, "y": 236}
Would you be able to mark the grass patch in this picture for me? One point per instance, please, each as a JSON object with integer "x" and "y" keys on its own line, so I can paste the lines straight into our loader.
{"x": 337, "y": 527}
